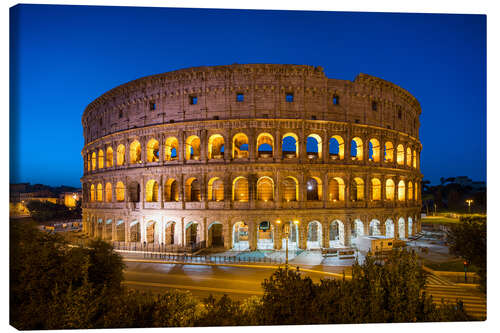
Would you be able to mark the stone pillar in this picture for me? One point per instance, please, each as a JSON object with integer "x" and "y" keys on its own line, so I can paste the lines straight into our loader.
{"x": 347, "y": 232}
{"x": 252, "y": 190}
{"x": 113, "y": 229}
{"x": 406, "y": 227}
{"x": 278, "y": 235}
{"x": 144, "y": 149}
{"x": 161, "y": 155}
{"x": 366, "y": 226}
{"x": 228, "y": 147}
{"x": 180, "y": 181}
{"x": 252, "y": 235}
{"x": 252, "y": 145}
{"x": 126, "y": 157}
{"x": 227, "y": 190}
{"x": 227, "y": 233}
{"x": 326, "y": 195}
{"x": 302, "y": 235}
{"x": 182, "y": 149}
{"x": 302, "y": 146}
{"x": 325, "y": 241}
{"x": 277, "y": 150}
{"x": 324, "y": 149}
{"x": 203, "y": 146}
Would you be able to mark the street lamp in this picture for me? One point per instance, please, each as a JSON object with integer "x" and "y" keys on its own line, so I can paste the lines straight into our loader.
{"x": 469, "y": 201}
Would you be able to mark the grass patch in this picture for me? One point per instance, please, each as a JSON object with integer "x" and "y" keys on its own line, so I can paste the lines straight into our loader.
{"x": 456, "y": 265}
{"x": 439, "y": 220}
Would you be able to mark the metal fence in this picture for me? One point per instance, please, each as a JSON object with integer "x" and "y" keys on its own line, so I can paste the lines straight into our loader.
{"x": 236, "y": 259}
{"x": 157, "y": 248}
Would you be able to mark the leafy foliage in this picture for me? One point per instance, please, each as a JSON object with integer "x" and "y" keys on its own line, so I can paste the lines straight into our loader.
{"x": 45, "y": 211}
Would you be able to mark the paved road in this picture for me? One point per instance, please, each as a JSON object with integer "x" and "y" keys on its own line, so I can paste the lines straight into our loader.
{"x": 474, "y": 301}
{"x": 240, "y": 282}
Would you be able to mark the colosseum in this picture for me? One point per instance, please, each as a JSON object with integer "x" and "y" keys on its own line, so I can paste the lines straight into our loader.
{"x": 231, "y": 156}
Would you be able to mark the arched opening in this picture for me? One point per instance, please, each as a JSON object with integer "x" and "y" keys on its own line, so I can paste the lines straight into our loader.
{"x": 192, "y": 190}
{"x": 375, "y": 228}
{"x": 215, "y": 147}
{"x": 290, "y": 189}
{"x": 120, "y": 191}
{"x": 120, "y": 231}
{"x": 357, "y": 189}
{"x": 337, "y": 234}
{"x": 215, "y": 235}
{"x": 410, "y": 191}
{"x": 314, "y": 189}
{"x": 171, "y": 190}
{"x": 109, "y": 157}
{"x": 99, "y": 228}
{"x": 109, "y": 192}
{"x": 401, "y": 228}
{"x": 265, "y": 239}
{"x": 240, "y": 189}
{"x": 108, "y": 229}
{"x": 93, "y": 227}
{"x": 171, "y": 149}
{"x": 401, "y": 190}
{"x": 376, "y": 189}
{"x": 265, "y": 189}
{"x": 314, "y": 146}
{"x": 135, "y": 152}
{"x": 134, "y": 192}
{"x": 215, "y": 191}
{"x": 92, "y": 193}
{"x": 94, "y": 160}
{"x": 388, "y": 152}
{"x": 120, "y": 155}
{"x": 192, "y": 148}
{"x": 135, "y": 232}
{"x": 151, "y": 232}
{"x": 170, "y": 233}
{"x": 99, "y": 192}
{"x": 290, "y": 145}
{"x": 314, "y": 235}
{"x": 293, "y": 235}
{"x": 414, "y": 159}
{"x": 240, "y": 146}
{"x": 89, "y": 162}
{"x": 265, "y": 145}
{"x": 240, "y": 236}
{"x": 374, "y": 150}
{"x": 410, "y": 226}
{"x": 101, "y": 159}
{"x": 389, "y": 228}
{"x": 152, "y": 191}
{"x": 408, "y": 156}
{"x": 389, "y": 189}
{"x": 336, "y": 189}
{"x": 416, "y": 191}
{"x": 192, "y": 233}
{"x": 336, "y": 147}
{"x": 357, "y": 149}
{"x": 357, "y": 231}
{"x": 400, "y": 155}
{"x": 153, "y": 151}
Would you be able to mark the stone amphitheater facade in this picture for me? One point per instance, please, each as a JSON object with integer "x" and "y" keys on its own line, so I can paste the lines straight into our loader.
{"x": 235, "y": 155}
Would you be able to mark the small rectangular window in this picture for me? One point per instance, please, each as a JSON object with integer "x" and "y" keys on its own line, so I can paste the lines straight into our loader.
{"x": 289, "y": 97}
{"x": 193, "y": 100}
{"x": 152, "y": 106}
{"x": 374, "y": 106}
{"x": 399, "y": 113}
{"x": 240, "y": 97}
{"x": 336, "y": 100}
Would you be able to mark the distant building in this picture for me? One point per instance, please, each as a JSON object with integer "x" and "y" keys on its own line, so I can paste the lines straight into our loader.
{"x": 69, "y": 199}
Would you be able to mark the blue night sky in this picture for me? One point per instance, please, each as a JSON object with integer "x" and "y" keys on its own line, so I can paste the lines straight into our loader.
{"x": 63, "y": 57}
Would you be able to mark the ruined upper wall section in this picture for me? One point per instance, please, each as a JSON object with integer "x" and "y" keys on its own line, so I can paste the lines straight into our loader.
{"x": 243, "y": 91}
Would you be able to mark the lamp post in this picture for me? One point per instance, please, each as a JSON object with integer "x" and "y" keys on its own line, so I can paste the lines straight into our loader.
{"x": 469, "y": 202}
{"x": 287, "y": 231}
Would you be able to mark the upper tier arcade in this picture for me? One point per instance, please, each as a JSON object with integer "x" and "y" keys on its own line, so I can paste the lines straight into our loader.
{"x": 243, "y": 91}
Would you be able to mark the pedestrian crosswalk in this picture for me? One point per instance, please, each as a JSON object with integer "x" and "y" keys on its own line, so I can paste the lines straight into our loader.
{"x": 473, "y": 300}
{"x": 433, "y": 279}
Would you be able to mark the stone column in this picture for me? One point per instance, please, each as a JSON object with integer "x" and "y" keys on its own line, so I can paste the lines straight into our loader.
{"x": 325, "y": 150}
{"x": 182, "y": 149}
{"x": 326, "y": 195}
{"x": 203, "y": 146}
{"x": 161, "y": 155}
{"x": 227, "y": 233}
{"x": 252, "y": 235}
{"x": 347, "y": 232}
{"x": 144, "y": 149}
{"x": 406, "y": 227}
{"x": 277, "y": 153}
{"x": 278, "y": 236}
{"x": 302, "y": 235}
{"x": 228, "y": 146}
{"x": 227, "y": 190}
{"x": 252, "y": 145}
{"x": 252, "y": 190}
{"x": 180, "y": 181}
{"x": 325, "y": 241}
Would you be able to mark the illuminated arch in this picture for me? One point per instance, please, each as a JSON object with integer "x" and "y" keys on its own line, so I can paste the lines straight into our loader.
{"x": 410, "y": 191}
{"x": 408, "y": 156}
{"x": 388, "y": 152}
{"x": 265, "y": 189}
{"x": 152, "y": 191}
{"x": 290, "y": 145}
{"x": 357, "y": 149}
{"x": 357, "y": 189}
{"x": 376, "y": 189}
{"x": 240, "y": 189}
{"x": 414, "y": 159}
{"x": 336, "y": 189}
{"x": 389, "y": 189}
{"x": 215, "y": 146}
{"x": 135, "y": 231}
{"x": 171, "y": 149}
{"x": 240, "y": 236}
{"x": 410, "y": 226}
{"x": 94, "y": 161}
{"x": 265, "y": 145}
{"x": 337, "y": 147}
{"x": 400, "y": 154}
{"x": 108, "y": 189}
{"x": 314, "y": 189}
{"x": 192, "y": 190}
{"x": 153, "y": 151}
{"x": 416, "y": 191}
{"x": 120, "y": 191}
{"x": 314, "y": 235}
{"x": 401, "y": 228}
{"x": 89, "y": 162}
{"x": 171, "y": 190}
{"x": 109, "y": 157}
{"x": 215, "y": 189}
{"x": 290, "y": 189}
{"x": 99, "y": 192}
{"x": 120, "y": 155}
{"x": 240, "y": 146}
{"x": 314, "y": 146}
{"x": 101, "y": 159}
{"x": 337, "y": 235}
{"x": 375, "y": 228}
{"x": 401, "y": 190}
{"x": 92, "y": 193}
{"x": 151, "y": 231}
{"x": 135, "y": 152}
{"x": 374, "y": 150}
{"x": 192, "y": 148}
{"x": 389, "y": 228}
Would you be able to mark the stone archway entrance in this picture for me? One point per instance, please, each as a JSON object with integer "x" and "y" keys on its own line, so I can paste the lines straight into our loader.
{"x": 240, "y": 236}
{"x": 293, "y": 236}
{"x": 314, "y": 234}
{"x": 389, "y": 228}
{"x": 265, "y": 239}
{"x": 215, "y": 235}
{"x": 170, "y": 233}
{"x": 337, "y": 234}
{"x": 192, "y": 233}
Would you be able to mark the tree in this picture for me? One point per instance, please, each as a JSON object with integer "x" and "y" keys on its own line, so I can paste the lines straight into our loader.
{"x": 468, "y": 240}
